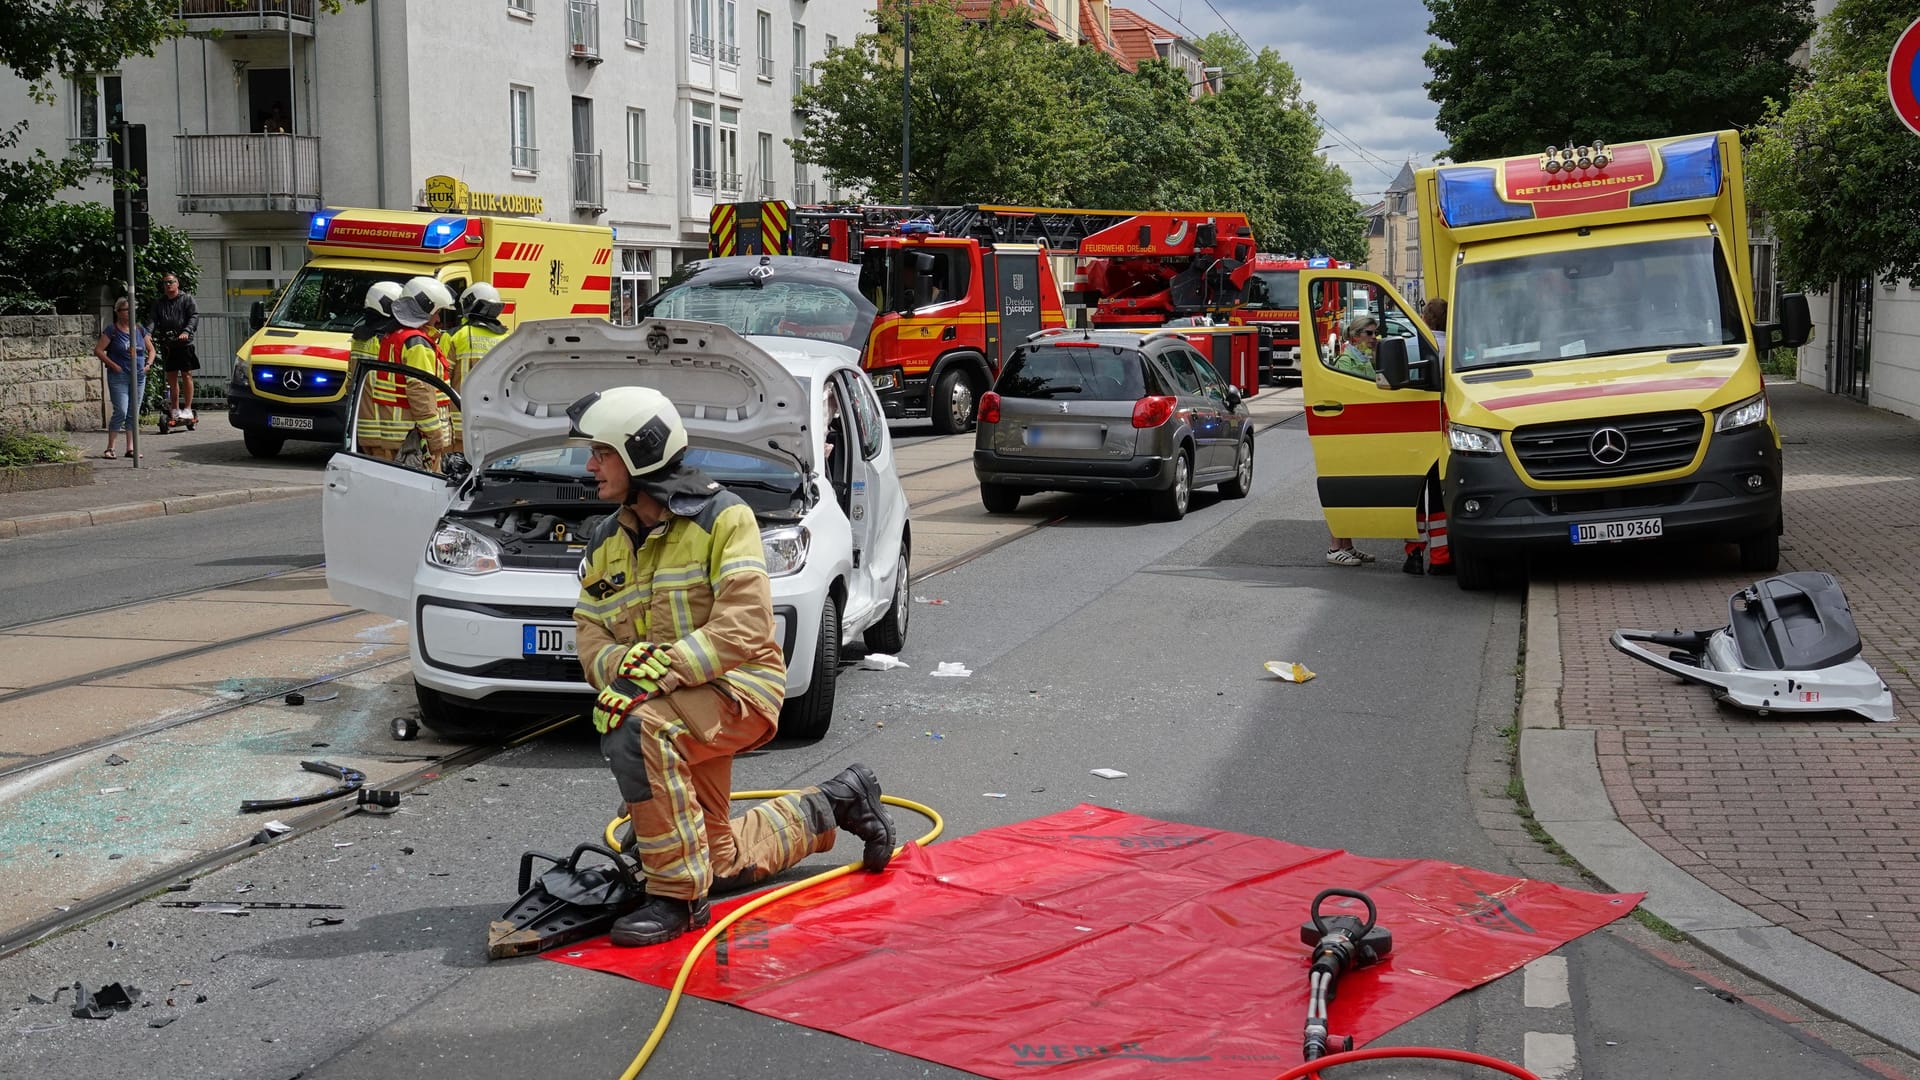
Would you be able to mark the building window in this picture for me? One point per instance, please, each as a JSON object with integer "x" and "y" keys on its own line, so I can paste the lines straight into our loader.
{"x": 520, "y": 7}
{"x": 636, "y": 22}
{"x": 730, "y": 153}
{"x": 520, "y": 120}
{"x": 765, "y": 163}
{"x": 633, "y": 284}
{"x": 96, "y": 105}
{"x": 832, "y": 44}
{"x": 729, "y": 33}
{"x": 802, "y": 74}
{"x": 764, "y": 31}
{"x": 702, "y": 149}
{"x": 802, "y": 187}
{"x": 700, "y": 28}
{"x": 637, "y": 147}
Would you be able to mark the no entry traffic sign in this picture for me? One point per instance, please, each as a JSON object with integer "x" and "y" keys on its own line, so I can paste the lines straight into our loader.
{"x": 1903, "y": 77}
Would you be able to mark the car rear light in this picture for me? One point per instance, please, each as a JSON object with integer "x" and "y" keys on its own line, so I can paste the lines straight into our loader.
{"x": 989, "y": 408}
{"x": 1151, "y": 412}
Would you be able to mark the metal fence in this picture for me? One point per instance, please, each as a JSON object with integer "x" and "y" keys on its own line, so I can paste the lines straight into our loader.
{"x": 268, "y": 171}
{"x": 299, "y": 9}
{"x": 221, "y": 335}
{"x": 583, "y": 27}
{"x": 589, "y": 191}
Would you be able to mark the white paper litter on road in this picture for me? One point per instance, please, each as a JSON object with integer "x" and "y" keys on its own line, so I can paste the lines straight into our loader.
{"x": 277, "y": 826}
{"x": 993, "y": 794}
{"x": 1109, "y": 774}
{"x": 953, "y": 669}
{"x": 928, "y": 600}
{"x": 879, "y": 661}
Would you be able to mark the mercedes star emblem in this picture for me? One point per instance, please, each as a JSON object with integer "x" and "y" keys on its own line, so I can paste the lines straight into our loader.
{"x": 1608, "y": 446}
{"x": 291, "y": 380}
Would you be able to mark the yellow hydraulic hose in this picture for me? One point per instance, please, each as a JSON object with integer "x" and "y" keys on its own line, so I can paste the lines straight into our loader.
{"x": 713, "y": 932}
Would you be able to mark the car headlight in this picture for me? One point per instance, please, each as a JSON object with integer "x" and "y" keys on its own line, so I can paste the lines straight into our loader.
{"x": 885, "y": 380}
{"x": 786, "y": 549}
{"x": 459, "y": 549}
{"x": 242, "y": 374}
{"x": 1472, "y": 440}
{"x": 1744, "y": 414}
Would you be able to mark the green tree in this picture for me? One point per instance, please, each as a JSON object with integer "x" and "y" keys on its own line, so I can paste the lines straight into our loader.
{"x": 1264, "y": 134}
{"x": 64, "y": 253}
{"x": 1833, "y": 168}
{"x": 1515, "y": 76}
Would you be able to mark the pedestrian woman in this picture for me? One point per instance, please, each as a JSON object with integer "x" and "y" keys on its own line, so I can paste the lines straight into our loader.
{"x": 126, "y": 353}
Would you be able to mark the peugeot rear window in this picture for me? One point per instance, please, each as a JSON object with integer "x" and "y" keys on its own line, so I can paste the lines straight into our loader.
{"x": 1074, "y": 371}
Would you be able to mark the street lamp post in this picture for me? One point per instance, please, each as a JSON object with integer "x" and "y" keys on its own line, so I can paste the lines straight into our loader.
{"x": 906, "y": 100}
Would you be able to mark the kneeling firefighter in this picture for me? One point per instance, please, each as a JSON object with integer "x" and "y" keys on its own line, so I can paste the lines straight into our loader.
{"x": 676, "y": 632}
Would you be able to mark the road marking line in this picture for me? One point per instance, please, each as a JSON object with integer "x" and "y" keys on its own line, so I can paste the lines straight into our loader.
{"x": 1546, "y": 983}
{"x": 1549, "y": 1057}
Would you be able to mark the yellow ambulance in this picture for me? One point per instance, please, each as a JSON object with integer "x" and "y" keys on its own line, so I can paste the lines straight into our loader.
{"x": 1598, "y": 379}
{"x": 291, "y": 377}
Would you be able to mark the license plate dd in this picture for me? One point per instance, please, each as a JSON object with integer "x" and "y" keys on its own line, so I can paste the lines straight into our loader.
{"x": 1606, "y": 532}
{"x": 291, "y": 423}
{"x": 538, "y": 640}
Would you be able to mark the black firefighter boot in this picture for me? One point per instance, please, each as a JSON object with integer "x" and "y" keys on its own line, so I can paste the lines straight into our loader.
{"x": 661, "y": 918}
{"x": 855, "y": 798}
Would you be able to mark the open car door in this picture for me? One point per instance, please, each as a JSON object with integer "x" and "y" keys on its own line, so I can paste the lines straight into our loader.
{"x": 1372, "y": 447}
{"x": 376, "y": 515}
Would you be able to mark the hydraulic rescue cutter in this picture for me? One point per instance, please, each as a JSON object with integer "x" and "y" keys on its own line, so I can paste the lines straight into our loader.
{"x": 1340, "y": 943}
{"x": 1789, "y": 646}
{"x": 566, "y": 903}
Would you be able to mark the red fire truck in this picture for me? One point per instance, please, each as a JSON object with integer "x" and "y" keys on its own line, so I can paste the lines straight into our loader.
{"x": 1273, "y": 304}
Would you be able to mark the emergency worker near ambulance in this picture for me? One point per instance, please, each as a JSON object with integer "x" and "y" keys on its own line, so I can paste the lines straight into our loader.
{"x": 675, "y": 630}
{"x": 479, "y": 330}
{"x": 395, "y": 406}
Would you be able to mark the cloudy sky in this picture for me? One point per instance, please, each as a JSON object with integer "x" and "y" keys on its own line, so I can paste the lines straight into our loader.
{"x": 1359, "y": 60}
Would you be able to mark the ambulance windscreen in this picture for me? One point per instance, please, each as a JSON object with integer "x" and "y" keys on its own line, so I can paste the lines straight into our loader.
{"x": 1600, "y": 301}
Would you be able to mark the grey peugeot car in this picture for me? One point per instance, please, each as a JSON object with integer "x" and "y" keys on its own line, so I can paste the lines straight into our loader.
{"x": 1114, "y": 411}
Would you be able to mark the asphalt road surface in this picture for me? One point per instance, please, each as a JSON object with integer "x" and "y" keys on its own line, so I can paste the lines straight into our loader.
{"x": 1104, "y": 641}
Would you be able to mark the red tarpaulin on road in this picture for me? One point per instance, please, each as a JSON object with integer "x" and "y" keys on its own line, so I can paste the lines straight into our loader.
{"x": 1130, "y": 946}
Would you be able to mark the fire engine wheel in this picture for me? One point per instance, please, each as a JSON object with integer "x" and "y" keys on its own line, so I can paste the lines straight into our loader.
{"x": 952, "y": 404}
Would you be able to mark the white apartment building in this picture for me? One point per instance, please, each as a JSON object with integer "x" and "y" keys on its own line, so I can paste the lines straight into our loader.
{"x": 637, "y": 114}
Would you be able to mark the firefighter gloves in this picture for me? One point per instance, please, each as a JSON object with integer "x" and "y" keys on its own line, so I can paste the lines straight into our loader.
{"x": 646, "y": 660}
{"x": 619, "y": 699}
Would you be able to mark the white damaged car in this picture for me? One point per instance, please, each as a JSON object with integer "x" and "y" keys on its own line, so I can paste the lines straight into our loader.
{"x": 482, "y": 565}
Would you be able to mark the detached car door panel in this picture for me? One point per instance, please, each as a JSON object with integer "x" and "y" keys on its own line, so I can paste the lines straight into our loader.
{"x": 1372, "y": 447}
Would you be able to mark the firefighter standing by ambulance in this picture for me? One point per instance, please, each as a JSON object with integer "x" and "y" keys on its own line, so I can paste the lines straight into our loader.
{"x": 480, "y": 329}
{"x": 394, "y": 406}
{"x": 376, "y": 322}
{"x": 676, "y": 631}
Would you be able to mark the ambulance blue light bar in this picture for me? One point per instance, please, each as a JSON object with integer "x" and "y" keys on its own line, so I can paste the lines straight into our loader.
{"x": 1320, "y": 263}
{"x": 317, "y": 228}
{"x": 442, "y": 231}
{"x": 1471, "y": 196}
{"x": 1690, "y": 169}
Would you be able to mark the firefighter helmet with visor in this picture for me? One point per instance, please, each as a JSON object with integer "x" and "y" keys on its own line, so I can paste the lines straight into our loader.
{"x": 381, "y": 295}
{"x": 637, "y": 422}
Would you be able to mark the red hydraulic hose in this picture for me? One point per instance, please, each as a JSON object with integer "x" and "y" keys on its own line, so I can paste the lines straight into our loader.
{"x": 1375, "y": 1053}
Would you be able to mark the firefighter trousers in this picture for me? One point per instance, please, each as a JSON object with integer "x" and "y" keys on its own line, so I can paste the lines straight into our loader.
{"x": 673, "y": 760}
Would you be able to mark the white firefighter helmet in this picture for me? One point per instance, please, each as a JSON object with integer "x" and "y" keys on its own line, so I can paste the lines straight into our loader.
{"x": 419, "y": 299}
{"x": 381, "y": 295}
{"x": 482, "y": 301}
{"x": 638, "y": 422}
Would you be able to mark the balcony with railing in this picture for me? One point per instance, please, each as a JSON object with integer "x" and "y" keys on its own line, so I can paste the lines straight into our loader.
{"x": 221, "y": 173}
{"x": 729, "y": 53}
{"x": 699, "y": 45}
{"x": 636, "y": 32}
{"x": 702, "y": 180}
{"x": 730, "y": 185}
{"x": 589, "y": 187}
{"x": 246, "y": 18}
{"x": 583, "y": 29}
{"x": 639, "y": 175}
{"x": 802, "y": 76}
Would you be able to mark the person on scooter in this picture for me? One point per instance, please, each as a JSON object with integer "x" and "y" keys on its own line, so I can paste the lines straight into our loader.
{"x": 176, "y": 325}
{"x": 675, "y": 630}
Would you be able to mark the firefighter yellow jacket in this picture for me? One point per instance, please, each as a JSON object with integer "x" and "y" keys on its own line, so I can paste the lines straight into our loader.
{"x": 393, "y": 405}
{"x": 696, "y": 584}
{"x": 466, "y": 345}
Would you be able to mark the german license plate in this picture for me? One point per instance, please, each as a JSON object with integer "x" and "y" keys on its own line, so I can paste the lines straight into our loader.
{"x": 1064, "y": 436}
{"x": 1606, "y": 532}
{"x": 291, "y": 423}
{"x": 547, "y": 639}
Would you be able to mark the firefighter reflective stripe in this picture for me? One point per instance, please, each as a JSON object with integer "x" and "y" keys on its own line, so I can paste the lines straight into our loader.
{"x": 399, "y": 404}
{"x": 466, "y": 346}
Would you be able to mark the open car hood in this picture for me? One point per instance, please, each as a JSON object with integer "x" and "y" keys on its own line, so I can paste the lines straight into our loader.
{"x": 728, "y": 390}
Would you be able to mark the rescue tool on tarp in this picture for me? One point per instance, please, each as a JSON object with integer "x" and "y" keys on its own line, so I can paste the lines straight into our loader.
{"x": 1789, "y": 646}
{"x": 1340, "y": 943}
{"x": 567, "y": 903}
{"x": 350, "y": 781}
